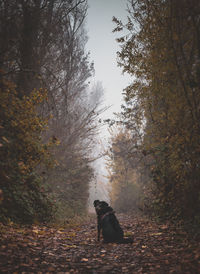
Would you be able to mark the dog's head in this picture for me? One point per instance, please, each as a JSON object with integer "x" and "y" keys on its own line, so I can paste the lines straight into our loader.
{"x": 96, "y": 202}
{"x": 101, "y": 207}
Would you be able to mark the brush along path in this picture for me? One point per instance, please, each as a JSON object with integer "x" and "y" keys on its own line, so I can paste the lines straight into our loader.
{"x": 156, "y": 249}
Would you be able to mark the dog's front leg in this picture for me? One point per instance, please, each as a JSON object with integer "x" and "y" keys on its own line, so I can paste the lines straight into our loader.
{"x": 98, "y": 228}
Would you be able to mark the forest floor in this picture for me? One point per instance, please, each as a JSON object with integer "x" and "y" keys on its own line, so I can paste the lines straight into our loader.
{"x": 157, "y": 248}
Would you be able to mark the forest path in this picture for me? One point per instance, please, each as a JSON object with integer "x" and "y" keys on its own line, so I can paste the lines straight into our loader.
{"x": 156, "y": 249}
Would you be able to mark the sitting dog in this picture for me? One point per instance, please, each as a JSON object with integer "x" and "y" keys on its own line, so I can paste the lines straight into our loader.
{"x": 108, "y": 223}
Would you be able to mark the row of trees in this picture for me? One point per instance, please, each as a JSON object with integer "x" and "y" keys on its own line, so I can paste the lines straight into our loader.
{"x": 161, "y": 51}
{"x": 42, "y": 55}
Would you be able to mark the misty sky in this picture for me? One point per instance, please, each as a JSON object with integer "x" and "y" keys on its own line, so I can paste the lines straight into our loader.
{"x": 103, "y": 48}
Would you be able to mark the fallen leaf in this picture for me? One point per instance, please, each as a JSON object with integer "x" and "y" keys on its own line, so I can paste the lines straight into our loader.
{"x": 84, "y": 260}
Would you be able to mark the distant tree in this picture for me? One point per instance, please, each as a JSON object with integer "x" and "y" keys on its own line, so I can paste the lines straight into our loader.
{"x": 124, "y": 172}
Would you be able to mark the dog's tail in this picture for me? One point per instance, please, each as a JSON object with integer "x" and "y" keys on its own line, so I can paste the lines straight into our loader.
{"x": 126, "y": 241}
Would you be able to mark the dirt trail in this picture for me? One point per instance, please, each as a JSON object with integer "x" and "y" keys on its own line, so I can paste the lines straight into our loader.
{"x": 156, "y": 249}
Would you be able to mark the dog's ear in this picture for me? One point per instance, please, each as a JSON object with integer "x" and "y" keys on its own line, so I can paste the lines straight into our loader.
{"x": 96, "y": 202}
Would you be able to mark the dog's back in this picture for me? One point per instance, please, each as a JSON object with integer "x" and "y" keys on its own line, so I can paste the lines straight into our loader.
{"x": 111, "y": 230}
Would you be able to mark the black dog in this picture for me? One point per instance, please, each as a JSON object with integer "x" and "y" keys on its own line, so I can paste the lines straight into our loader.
{"x": 108, "y": 223}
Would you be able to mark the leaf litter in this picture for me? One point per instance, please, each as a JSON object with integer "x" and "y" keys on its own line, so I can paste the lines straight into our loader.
{"x": 155, "y": 249}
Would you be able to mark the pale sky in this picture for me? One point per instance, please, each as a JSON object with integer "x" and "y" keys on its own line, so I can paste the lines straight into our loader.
{"x": 103, "y": 47}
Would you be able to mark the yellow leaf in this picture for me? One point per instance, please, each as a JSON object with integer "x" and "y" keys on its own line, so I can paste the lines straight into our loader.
{"x": 84, "y": 260}
{"x": 5, "y": 139}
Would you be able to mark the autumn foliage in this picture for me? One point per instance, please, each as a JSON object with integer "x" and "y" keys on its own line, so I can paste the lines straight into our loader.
{"x": 23, "y": 196}
{"x": 161, "y": 51}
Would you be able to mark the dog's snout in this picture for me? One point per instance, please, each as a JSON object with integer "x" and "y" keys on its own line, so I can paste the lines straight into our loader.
{"x": 98, "y": 207}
